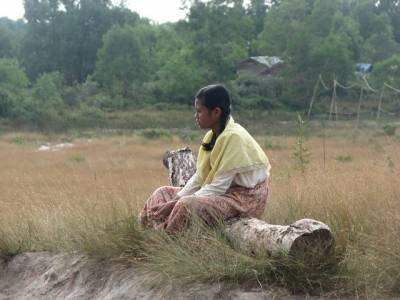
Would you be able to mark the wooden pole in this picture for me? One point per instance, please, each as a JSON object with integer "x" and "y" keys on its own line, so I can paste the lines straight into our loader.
{"x": 378, "y": 113}
{"x": 333, "y": 100}
{"x": 359, "y": 107}
{"x": 315, "y": 90}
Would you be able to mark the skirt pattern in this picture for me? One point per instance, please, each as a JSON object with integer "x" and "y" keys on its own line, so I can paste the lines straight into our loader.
{"x": 236, "y": 202}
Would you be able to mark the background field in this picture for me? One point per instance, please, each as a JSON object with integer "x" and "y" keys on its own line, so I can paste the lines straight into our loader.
{"x": 86, "y": 198}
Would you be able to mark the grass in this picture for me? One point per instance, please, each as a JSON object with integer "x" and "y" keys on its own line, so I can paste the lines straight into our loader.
{"x": 86, "y": 198}
{"x": 344, "y": 158}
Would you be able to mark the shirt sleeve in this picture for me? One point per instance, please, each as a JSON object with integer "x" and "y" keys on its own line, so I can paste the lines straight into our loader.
{"x": 222, "y": 183}
{"x": 218, "y": 186}
{"x": 191, "y": 186}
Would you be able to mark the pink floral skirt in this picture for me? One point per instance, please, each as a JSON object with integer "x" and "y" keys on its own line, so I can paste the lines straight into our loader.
{"x": 236, "y": 202}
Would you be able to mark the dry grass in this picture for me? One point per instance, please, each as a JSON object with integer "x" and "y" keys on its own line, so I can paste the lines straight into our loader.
{"x": 86, "y": 198}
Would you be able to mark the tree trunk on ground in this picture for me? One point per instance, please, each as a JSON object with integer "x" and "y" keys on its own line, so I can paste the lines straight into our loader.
{"x": 307, "y": 240}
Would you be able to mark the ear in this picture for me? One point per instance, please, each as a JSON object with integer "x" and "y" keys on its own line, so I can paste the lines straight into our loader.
{"x": 217, "y": 112}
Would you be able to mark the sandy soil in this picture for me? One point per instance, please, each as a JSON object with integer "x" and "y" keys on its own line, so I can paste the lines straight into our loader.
{"x": 42, "y": 275}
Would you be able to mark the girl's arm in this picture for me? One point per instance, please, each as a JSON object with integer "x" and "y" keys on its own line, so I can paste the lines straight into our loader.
{"x": 218, "y": 186}
{"x": 222, "y": 183}
{"x": 191, "y": 186}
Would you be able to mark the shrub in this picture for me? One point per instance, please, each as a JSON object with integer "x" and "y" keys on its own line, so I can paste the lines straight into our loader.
{"x": 301, "y": 154}
{"x": 344, "y": 158}
{"x": 389, "y": 130}
{"x": 13, "y": 83}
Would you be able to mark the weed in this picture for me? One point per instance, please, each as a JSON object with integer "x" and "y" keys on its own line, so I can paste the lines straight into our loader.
{"x": 273, "y": 146}
{"x": 18, "y": 140}
{"x": 77, "y": 158}
{"x": 344, "y": 158}
{"x": 301, "y": 154}
{"x": 389, "y": 130}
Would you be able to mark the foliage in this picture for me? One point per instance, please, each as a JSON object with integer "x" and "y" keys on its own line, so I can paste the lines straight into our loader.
{"x": 65, "y": 36}
{"x": 113, "y": 60}
{"x": 389, "y": 130}
{"x": 344, "y": 158}
{"x": 13, "y": 83}
{"x": 301, "y": 153}
{"x": 387, "y": 71}
{"x": 45, "y": 107}
{"x": 258, "y": 93}
{"x": 11, "y": 34}
{"x": 121, "y": 61}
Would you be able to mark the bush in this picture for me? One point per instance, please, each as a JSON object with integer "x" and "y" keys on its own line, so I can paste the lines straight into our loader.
{"x": 13, "y": 83}
{"x": 389, "y": 130}
{"x": 108, "y": 103}
{"x": 344, "y": 158}
{"x": 258, "y": 92}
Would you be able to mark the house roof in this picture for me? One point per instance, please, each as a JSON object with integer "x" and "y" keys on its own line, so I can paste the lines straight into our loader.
{"x": 268, "y": 61}
{"x": 363, "y": 68}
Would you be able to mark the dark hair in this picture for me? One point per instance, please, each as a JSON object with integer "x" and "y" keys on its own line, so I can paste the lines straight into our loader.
{"x": 213, "y": 96}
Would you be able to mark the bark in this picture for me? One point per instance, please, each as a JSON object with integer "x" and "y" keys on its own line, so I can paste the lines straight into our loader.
{"x": 307, "y": 240}
{"x": 181, "y": 165}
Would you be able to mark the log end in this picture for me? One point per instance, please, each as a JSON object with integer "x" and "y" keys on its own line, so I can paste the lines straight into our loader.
{"x": 314, "y": 247}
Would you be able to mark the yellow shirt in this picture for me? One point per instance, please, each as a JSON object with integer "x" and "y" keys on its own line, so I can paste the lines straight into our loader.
{"x": 234, "y": 150}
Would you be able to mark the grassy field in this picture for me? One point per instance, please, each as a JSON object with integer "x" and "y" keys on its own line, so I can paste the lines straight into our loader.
{"x": 86, "y": 198}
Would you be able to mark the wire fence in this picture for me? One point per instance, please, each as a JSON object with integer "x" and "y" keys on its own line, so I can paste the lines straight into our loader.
{"x": 362, "y": 84}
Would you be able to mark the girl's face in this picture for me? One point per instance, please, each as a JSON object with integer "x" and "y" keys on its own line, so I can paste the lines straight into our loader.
{"x": 206, "y": 118}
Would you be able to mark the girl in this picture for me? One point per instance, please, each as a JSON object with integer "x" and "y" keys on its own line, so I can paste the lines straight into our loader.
{"x": 232, "y": 172}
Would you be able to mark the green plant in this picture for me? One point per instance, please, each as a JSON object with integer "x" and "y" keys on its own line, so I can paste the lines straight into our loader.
{"x": 389, "y": 130}
{"x": 273, "y": 146}
{"x": 390, "y": 163}
{"x": 18, "y": 140}
{"x": 77, "y": 158}
{"x": 344, "y": 158}
{"x": 301, "y": 154}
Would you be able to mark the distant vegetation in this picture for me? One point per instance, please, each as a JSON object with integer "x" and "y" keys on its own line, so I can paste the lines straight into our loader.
{"x": 70, "y": 63}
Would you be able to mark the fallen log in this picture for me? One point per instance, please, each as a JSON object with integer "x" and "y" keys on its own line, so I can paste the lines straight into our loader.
{"x": 307, "y": 240}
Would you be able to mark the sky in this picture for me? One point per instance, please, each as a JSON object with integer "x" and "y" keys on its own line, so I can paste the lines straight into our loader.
{"x": 159, "y": 11}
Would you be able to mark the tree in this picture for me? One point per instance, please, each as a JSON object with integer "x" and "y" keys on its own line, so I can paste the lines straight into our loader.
{"x": 331, "y": 58}
{"x": 258, "y": 11}
{"x": 283, "y": 24}
{"x": 313, "y": 37}
{"x": 387, "y": 71}
{"x": 13, "y": 83}
{"x": 11, "y": 34}
{"x": 45, "y": 107}
{"x": 121, "y": 61}
{"x": 65, "y": 35}
{"x": 6, "y": 48}
{"x": 220, "y": 32}
{"x": 178, "y": 79}
{"x": 392, "y": 8}
{"x": 379, "y": 47}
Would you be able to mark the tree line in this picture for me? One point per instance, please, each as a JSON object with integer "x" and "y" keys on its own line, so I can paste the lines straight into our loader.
{"x": 72, "y": 57}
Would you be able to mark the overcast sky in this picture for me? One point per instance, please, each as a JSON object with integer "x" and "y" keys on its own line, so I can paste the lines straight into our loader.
{"x": 158, "y": 10}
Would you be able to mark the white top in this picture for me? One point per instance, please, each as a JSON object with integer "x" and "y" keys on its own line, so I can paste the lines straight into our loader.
{"x": 222, "y": 183}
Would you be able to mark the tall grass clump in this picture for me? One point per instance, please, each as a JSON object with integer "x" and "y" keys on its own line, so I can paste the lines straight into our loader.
{"x": 203, "y": 254}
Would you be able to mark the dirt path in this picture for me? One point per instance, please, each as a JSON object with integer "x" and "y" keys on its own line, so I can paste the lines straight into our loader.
{"x": 42, "y": 275}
